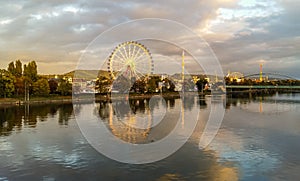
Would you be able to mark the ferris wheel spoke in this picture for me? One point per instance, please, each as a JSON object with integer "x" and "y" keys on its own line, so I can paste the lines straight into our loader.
{"x": 141, "y": 59}
{"x": 143, "y": 66}
{"x": 121, "y": 69}
{"x": 143, "y": 63}
{"x": 133, "y": 51}
{"x": 141, "y": 75}
{"x": 125, "y": 52}
{"x": 140, "y": 72}
{"x": 137, "y": 53}
{"x": 120, "y": 61}
{"x": 119, "y": 58}
{"x": 129, "y": 51}
{"x": 141, "y": 55}
{"x": 124, "y": 57}
{"x": 136, "y": 76}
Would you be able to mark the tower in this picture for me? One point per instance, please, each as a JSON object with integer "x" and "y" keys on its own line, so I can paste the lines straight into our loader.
{"x": 260, "y": 73}
{"x": 182, "y": 66}
{"x": 182, "y": 77}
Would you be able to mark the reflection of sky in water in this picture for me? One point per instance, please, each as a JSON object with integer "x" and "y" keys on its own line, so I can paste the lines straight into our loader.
{"x": 55, "y": 154}
{"x": 287, "y": 97}
{"x": 54, "y": 147}
{"x": 250, "y": 158}
{"x": 262, "y": 139}
{"x": 270, "y": 105}
{"x": 249, "y": 146}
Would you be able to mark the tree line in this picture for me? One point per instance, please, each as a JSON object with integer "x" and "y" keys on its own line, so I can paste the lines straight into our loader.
{"x": 152, "y": 84}
{"x": 287, "y": 82}
{"x": 18, "y": 80}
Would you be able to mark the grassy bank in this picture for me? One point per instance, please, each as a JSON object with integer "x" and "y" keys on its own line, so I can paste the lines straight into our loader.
{"x": 48, "y": 99}
{"x": 84, "y": 98}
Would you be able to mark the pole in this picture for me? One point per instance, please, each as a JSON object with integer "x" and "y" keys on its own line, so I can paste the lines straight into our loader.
{"x": 25, "y": 92}
{"x": 182, "y": 73}
{"x": 260, "y": 73}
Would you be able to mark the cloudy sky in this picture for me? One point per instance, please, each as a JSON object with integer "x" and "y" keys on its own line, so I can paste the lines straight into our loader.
{"x": 242, "y": 33}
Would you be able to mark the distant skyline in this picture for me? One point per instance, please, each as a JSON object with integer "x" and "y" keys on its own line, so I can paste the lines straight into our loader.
{"x": 242, "y": 33}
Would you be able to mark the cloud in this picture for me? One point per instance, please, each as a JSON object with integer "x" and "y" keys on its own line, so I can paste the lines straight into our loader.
{"x": 240, "y": 32}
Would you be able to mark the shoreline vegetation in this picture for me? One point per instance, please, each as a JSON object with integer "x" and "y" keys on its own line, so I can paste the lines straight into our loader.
{"x": 21, "y": 84}
{"x": 82, "y": 98}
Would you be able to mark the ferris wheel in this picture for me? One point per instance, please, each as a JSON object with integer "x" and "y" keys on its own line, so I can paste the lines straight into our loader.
{"x": 130, "y": 59}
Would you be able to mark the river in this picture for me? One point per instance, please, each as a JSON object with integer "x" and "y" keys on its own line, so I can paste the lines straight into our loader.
{"x": 258, "y": 139}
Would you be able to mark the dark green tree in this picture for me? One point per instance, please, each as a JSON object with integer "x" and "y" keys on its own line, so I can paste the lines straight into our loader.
{"x": 139, "y": 86}
{"x": 18, "y": 70}
{"x": 201, "y": 84}
{"x": 152, "y": 84}
{"x": 64, "y": 87}
{"x": 53, "y": 85}
{"x": 170, "y": 86}
{"x": 41, "y": 87}
{"x": 11, "y": 68}
{"x": 19, "y": 86}
{"x": 30, "y": 71}
{"x": 188, "y": 84}
{"x": 103, "y": 84}
{"x": 7, "y": 81}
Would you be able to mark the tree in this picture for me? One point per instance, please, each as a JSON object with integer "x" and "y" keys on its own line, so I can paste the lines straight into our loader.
{"x": 64, "y": 87}
{"x": 201, "y": 84}
{"x": 153, "y": 83}
{"x": 188, "y": 84}
{"x": 18, "y": 70}
{"x": 19, "y": 86}
{"x": 41, "y": 87}
{"x": 53, "y": 84}
{"x": 103, "y": 84}
{"x": 7, "y": 87}
{"x": 169, "y": 85}
{"x": 30, "y": 71}
{"x": 139, "y": 86}
{"x": 11, "y": 68}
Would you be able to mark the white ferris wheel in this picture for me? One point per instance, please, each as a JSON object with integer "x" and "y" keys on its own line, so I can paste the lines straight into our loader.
{"x": 130, "y": 59}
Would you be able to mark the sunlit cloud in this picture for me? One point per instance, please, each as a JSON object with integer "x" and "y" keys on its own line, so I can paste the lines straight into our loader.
{"x": 240, "y": 32}
{"x": 6, "y": 21}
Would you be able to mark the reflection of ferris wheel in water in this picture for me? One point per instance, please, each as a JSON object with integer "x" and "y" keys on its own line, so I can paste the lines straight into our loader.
{"x": 130, "y": 59}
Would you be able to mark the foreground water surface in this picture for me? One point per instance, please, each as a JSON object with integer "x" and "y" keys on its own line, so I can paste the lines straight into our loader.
{"x": 257, "y": 140}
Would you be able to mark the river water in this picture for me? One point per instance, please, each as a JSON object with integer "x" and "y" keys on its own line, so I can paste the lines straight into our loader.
{"x": 257, "y": 140}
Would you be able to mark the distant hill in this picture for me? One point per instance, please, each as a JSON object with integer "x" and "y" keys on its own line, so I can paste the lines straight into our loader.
{"x": 88, "y": 74}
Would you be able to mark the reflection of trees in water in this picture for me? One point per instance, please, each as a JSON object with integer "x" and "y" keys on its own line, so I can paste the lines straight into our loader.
{"x": 9, "y": 118}
{"x": 202, "y": 102}
{"x": 103, "y": 109}
{"x": 121, "y": 115}
{"x": 189, "y": 102}
{"x": 14, "y": 118}
{"x": 65, "y": 112}
{"x": 235, "y": 99}
{"x": 170, "y": 103}
{"x": 124, "y": 107}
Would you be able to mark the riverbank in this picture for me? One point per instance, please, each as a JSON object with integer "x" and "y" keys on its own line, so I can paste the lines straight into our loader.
{"x": 85, "y": 98}
{"x": 82, "y": 98}
{"x": 35, "y": 100}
